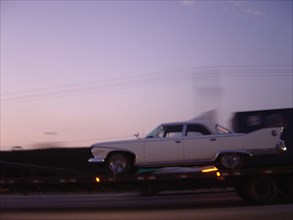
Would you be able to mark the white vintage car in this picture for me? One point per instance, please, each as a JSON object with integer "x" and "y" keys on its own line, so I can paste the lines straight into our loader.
{"x": 187, "y": 143}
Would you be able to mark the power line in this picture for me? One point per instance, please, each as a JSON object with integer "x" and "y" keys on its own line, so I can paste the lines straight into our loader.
{"x": 85, "y": 90}
{"x": 89, "y": 83}
{"x": 135, "y": 81}
{"x": 238, "y": 68}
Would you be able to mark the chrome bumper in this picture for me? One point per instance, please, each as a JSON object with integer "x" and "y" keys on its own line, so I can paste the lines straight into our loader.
{"x": 281, "y": 147}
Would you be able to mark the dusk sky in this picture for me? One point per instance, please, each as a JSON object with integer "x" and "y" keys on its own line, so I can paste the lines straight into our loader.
{"x": 80, "y": 72}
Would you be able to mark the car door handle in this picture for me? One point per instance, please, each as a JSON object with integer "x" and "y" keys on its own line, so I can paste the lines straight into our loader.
{"x": 177, "y": 142}
{"x": 213, "y": 139}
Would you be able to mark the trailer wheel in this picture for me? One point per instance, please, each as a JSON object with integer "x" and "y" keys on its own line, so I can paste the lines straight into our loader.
{"x": 229, "y": 161}
{"x": 241, "y": 191}
{"x": 119, "y": 163}
{"x": 289, "y": 187}
{"x": 261, "y": 190}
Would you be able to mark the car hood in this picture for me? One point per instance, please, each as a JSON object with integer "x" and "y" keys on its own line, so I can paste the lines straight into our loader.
{"x": 112, "y": 144}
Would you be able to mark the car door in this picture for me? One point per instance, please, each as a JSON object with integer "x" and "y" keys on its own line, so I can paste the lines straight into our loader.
{"x": 167, "y": 147}
{"x": 200, "y": 144}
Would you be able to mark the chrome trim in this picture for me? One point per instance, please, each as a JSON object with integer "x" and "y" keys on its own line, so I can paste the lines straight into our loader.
{"x": 176, "y": 163}
{"x": 267, "y": 151}
{"x": 96, "y": 160}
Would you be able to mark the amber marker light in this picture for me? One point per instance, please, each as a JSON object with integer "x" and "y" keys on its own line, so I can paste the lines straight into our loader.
{"x": 209, "y": 170}
{"x": 98, "y": 179}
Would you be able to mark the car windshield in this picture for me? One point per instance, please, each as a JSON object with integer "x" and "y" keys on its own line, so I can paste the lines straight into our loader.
{"x": 166, "y": 131}
{"x": 156, "y": 132}
{"x": 222, "y": 130}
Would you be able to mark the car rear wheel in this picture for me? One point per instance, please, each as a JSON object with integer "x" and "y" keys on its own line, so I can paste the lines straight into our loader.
{"x": 119, "y": 163}
{"x": 229, "y": 161}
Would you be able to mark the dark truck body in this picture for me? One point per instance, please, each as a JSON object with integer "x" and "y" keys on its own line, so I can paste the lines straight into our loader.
{"x": 248, "y": 121}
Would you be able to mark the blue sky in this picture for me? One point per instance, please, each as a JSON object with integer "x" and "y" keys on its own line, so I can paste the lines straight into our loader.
{"x": 95, "y": 70}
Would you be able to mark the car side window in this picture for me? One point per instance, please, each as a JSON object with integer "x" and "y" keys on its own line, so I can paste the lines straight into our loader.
{"x": 196, "y": 130}
{"x": 172, "y": 131}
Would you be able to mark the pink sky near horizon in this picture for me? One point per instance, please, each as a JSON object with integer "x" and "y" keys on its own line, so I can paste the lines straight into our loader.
{"x": 95, "y": 70}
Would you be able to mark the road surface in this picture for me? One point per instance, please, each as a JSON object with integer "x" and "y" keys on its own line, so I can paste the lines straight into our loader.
{"x": 132, "y": 206}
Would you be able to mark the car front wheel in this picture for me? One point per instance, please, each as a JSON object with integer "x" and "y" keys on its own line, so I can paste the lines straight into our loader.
{"x": 229, "y": 161}
{"x": 119, "y": 163}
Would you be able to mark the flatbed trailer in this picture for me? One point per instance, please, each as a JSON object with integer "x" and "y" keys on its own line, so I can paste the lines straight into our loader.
{"x": 24, "y": 178}
{"x": 257, "y": 184}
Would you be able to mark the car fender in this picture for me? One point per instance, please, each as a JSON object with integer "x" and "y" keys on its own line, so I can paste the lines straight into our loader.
{"x": 101, "y": 153}
{"x": 243, "y": 152}
{"x": 119, "y": 150}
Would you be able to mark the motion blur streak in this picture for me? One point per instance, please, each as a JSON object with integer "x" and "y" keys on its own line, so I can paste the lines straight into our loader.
{"x": 243, "y": 213}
